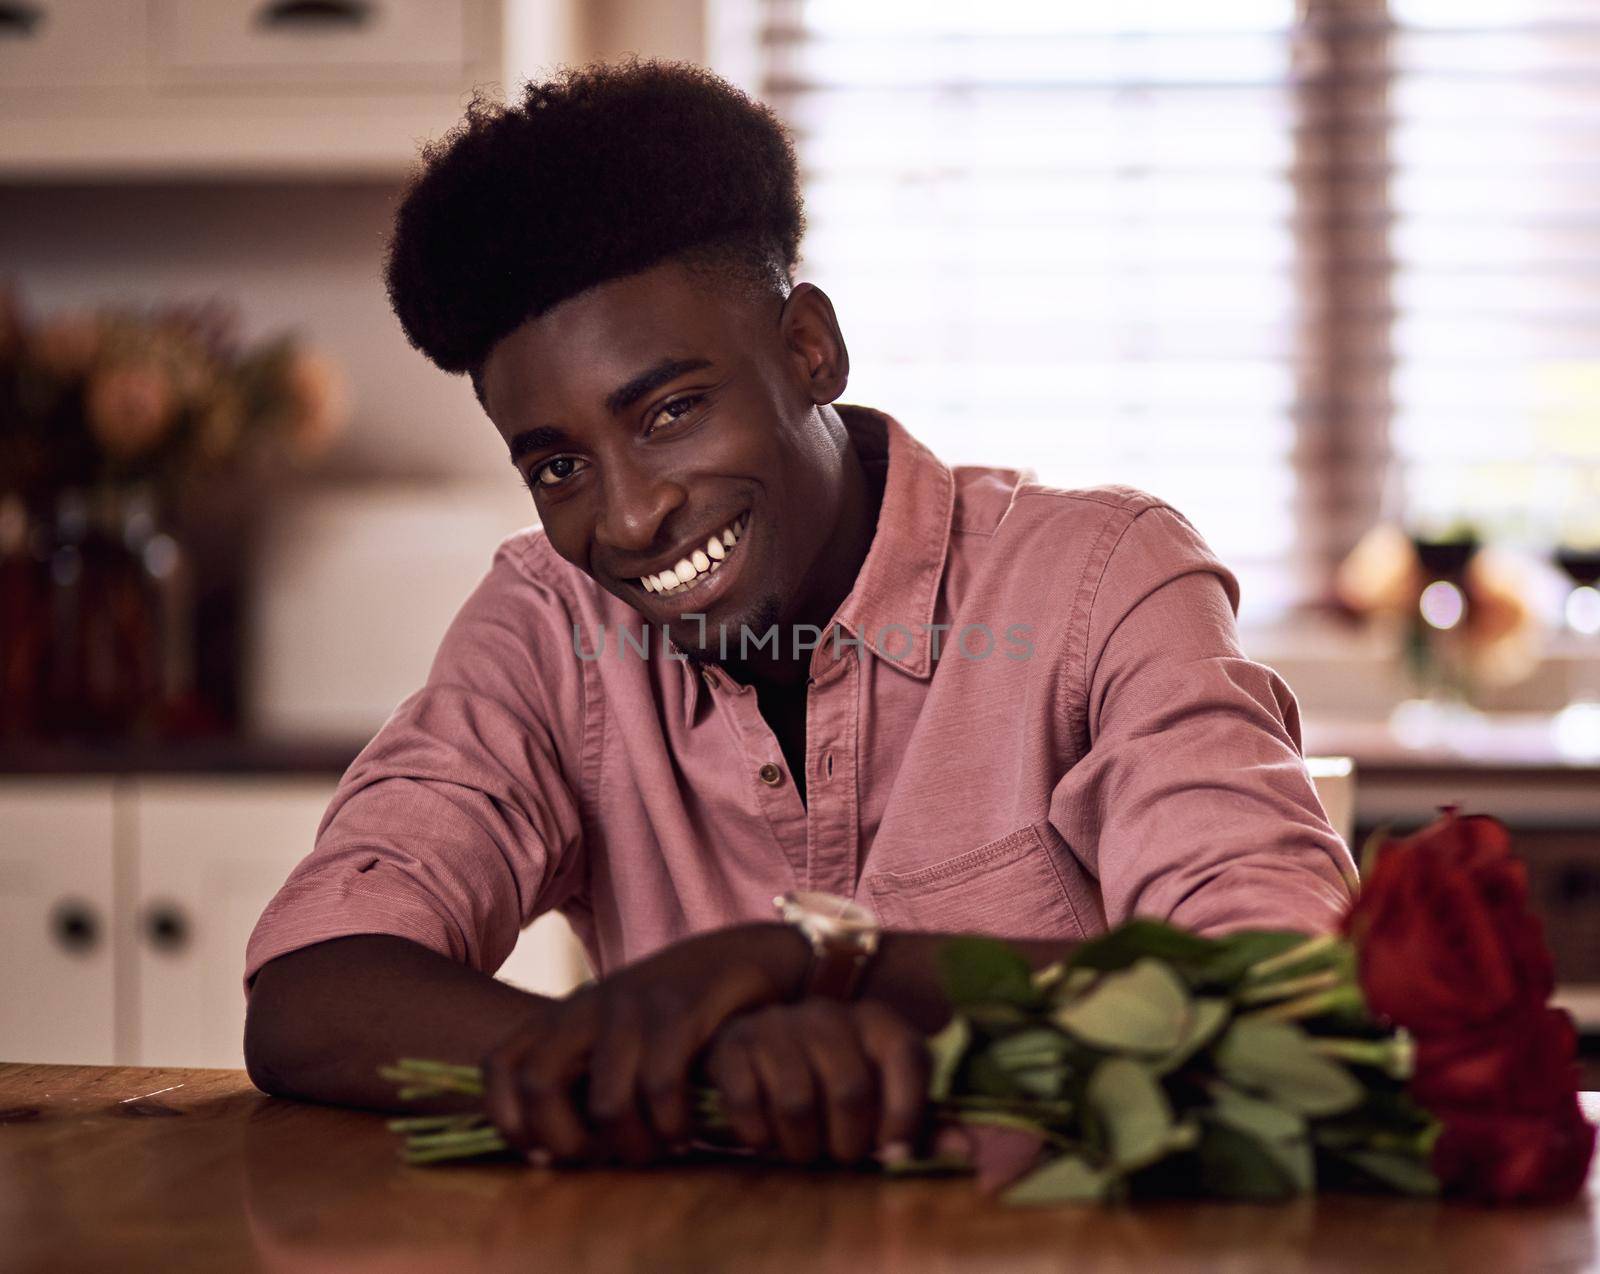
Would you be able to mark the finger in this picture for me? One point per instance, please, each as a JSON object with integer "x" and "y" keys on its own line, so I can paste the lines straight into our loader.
{"x": 614, "y": 1114}
{"x": 789, "y": 1092}
{"x": 685, "y": 1031}
{"x": 502, "y": 1103}
{"x": 732, "y": 1072}
{"x": 845, "y": 1076}
{"x": 900, "y": 1056}
{"x": 546, "y": 1078}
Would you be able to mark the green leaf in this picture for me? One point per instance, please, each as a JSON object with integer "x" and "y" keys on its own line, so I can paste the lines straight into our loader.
{"x": 1205, "y": 1024}
{"x": 1040, "y": 1113}
{"x": 1371, "y": 848}
{"x": 1277, "y": 1060}
{"x": 1404, "y": 1173}
{"x": 977, "y": 970}
{"x": 946, "y": 1050}
{"x": 1137, "y": 940}
{"x": 995, "y": 1018}
{"x": 1065, "y": 1179}
{"x": 1003, "y": 1119}
{"x": 987, "y": 1078}
{"x": 1144, "y": 1008}
{"x": 1235, "y": 1165}
{"x": 1238, "y": 951}
{"x": 1133, "y": 1110}
{"x": 1045, "y": 1082}
{"x": 1282, "y": 1134}
{"x": 1037, "y": 1046}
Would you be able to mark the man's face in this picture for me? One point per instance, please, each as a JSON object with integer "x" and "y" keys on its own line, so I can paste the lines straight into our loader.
{"x": 662, "y": 417}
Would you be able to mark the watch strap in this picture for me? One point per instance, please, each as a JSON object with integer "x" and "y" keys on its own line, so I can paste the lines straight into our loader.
{"x": 835, "y": 974}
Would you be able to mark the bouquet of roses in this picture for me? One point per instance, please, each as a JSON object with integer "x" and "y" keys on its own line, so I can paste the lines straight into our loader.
{"x": 1412, "y": 1051}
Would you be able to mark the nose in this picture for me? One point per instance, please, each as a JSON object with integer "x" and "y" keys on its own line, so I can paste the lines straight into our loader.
{"x": 636, "y": 500}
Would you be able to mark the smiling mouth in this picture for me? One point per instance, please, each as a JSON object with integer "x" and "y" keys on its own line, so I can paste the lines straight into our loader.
{"x": 701, "y": 564}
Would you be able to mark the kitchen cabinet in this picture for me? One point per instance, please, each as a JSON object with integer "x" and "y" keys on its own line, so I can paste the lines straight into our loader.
{"x": 126, "y": 903}
{"x": 107, "y": 89}
{"x": 58, "y": 985}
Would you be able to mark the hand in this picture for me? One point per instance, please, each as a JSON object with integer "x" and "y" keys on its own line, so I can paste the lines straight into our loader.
{"x": 822, "y": 1077}
{"x": 604, "y": 1074}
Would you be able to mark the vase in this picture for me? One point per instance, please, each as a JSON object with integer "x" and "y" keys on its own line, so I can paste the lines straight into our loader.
{"x": 1440, "y": 713}
{"x": 98, "y": 641}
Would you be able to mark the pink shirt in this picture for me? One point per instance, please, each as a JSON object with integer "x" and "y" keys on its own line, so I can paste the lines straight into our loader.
{"x": 1084, "y": 742}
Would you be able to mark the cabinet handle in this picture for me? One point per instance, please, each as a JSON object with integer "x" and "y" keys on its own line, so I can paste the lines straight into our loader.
{"x": 166, "y": 927}
{"x": 314, "y": 15}
{"x": 1577, "y": 883}
{"x": 18, "y": 20}
{"x": 75, "y": 925}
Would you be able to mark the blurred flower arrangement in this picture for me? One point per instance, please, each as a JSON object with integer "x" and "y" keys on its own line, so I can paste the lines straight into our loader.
{"x": 119, "y": 397}
{"x": 1459, "y": 609}
{"x": 116, "y": 425}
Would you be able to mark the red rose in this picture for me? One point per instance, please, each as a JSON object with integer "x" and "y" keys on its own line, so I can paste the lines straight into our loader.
{"x": 1444, "y": 937}
{"x": 1504, "y": 1158}
{"x": 1523, "y": 1065}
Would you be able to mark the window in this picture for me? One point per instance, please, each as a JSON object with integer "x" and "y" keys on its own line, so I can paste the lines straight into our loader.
{"x": 1289, "y": 267}
{"x": 1494, "y": 159}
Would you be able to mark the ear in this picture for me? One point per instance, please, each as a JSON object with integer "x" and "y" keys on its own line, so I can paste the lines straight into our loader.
{"x": 811, "y": 334}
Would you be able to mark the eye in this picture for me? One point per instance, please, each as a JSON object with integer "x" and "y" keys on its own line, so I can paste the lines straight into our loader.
{"x": 675, "y": 410}
{"x": 555, "y": 471}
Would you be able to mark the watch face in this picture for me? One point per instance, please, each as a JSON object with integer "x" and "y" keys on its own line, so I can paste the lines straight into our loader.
{"x": 828, "y": 913}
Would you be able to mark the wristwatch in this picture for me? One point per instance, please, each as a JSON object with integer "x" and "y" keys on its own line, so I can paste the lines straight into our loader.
{"x": 843, "y": 937}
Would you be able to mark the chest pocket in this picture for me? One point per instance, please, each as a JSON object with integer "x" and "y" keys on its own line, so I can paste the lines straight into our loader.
{"x": 1008, "y": 888}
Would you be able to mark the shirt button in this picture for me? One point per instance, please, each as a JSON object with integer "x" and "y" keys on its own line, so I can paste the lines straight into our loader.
{"x": 770, "y": 774}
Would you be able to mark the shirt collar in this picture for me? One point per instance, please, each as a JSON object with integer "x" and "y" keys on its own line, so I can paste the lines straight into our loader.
{"x": 891, "y": 606}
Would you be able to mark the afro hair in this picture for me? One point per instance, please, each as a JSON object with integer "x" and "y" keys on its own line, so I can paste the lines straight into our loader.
{"x": 598, "y": 173}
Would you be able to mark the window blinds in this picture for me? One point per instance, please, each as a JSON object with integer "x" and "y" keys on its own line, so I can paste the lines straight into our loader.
{"x": 1291, "y": 267}
{"x": 1494, "y": 187}
{"x": 1065, "y": 237}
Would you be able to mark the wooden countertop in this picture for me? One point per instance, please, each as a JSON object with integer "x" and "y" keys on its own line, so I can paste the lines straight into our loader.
{"x": 129, "y": 1168}
{"x": 224, "y": 755}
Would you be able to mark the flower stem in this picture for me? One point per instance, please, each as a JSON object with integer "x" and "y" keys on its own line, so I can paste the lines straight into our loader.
{"x": 1297, "y": 954}
{"x": 1395, "y": 1056}
{"x": 1344, "y": 996}
{"x": 1286, "y": 990}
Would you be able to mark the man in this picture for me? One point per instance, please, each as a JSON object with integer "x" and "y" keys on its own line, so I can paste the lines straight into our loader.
{"x": 762, "y": 644}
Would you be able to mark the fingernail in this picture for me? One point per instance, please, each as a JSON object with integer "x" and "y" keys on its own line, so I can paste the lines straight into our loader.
{"x": 894, "y": 1154}
{"x": 539, "y": 1158}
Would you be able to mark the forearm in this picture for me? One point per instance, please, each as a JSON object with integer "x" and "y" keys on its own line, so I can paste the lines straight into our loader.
{"x": 323, "y": 1019}
{"x": 905, "y": 973}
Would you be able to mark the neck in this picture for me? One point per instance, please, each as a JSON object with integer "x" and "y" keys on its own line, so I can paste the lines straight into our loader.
{"x": 852, "y": 537}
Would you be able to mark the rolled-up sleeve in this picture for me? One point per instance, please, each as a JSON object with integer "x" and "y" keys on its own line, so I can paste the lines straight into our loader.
{"x": 1192, "y": 803}
{"x": 458, "y": 823}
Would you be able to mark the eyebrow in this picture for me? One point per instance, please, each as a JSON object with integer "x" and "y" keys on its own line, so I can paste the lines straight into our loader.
{"x": 653, "y": 378}
{"x": 539, "y": 438}
{"x": 546, "y": 437}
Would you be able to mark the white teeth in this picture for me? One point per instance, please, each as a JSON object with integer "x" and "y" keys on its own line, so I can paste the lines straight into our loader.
{"x": 699, "y": 562}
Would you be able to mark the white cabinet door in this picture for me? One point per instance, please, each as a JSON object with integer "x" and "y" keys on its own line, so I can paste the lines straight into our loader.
{"x": 210, "y": 854}
{"x": 340, "y": 42}
{"x": 57, "y": 972}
